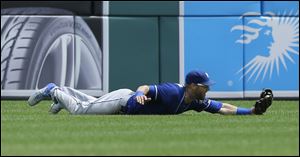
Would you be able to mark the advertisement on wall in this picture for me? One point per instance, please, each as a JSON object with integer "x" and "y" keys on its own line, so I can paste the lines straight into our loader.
{"x": 40, "y": 45}
{"x": 244, "y": 46}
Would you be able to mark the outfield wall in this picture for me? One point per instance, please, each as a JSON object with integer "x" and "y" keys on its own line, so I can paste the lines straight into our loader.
{"x": 244, "y": 46}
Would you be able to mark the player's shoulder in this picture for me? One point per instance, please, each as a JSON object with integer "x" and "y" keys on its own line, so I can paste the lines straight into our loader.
{"x": 171, "y": 85}
{"x": 172, "y": 90}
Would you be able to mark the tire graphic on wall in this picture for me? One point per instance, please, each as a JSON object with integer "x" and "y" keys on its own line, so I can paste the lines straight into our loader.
{"x": 38, "y": 49}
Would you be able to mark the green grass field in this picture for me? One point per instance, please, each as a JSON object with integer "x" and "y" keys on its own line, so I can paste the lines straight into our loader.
{"x": 33, "y": 131}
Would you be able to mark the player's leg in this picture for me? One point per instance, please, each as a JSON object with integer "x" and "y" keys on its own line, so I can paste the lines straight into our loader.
{"x": 110, "y": 103}
{"x": 56, "y": 107}
{"x": 68, "y": 98}
{"x": 64, "y": 100}
{"x": 77, "y": 94}
{"x": 60, "y": 98}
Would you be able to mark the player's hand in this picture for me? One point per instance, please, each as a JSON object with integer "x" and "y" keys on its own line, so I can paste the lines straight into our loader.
{"x": 141, "y": 98}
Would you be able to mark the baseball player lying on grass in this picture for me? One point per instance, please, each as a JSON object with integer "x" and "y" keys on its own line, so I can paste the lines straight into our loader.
{"x": 166, "y": 98}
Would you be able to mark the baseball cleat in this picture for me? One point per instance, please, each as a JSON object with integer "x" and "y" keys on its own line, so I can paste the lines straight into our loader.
{"x": 55, "y": 108}
{"x": 39, "y": 95}
{"x": 265, "y": 101}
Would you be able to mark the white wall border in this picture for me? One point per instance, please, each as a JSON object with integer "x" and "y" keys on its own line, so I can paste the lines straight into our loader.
{"x": 105, "y": 54}
{"x": 225, "y": 94}
{"x": 276, "y": 93}
{"x": 181, "y": 42}
{"x": 105, "y": 7}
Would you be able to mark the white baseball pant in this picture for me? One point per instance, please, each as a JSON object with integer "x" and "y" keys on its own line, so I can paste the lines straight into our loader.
{"x": 77, "y": 102}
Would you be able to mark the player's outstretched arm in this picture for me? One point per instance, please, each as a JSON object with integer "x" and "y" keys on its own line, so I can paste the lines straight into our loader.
{"x": 260, "y": 106}
{"x": 228, "y": 109}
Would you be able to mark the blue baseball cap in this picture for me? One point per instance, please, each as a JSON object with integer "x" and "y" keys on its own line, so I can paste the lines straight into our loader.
{"x": 198, "y": 77}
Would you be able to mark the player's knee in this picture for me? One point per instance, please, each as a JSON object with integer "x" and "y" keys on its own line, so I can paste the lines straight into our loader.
{"x": 125, "y": 91}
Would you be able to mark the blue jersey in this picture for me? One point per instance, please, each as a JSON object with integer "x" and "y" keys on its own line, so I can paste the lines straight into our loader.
{"x": 168, "y": 98}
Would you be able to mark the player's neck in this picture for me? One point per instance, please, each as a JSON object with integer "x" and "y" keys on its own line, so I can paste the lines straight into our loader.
{"x": 187, "y": 97}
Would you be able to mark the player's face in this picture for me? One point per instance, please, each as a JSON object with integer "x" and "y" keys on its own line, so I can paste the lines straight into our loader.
{"x": 200, "y": 91}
